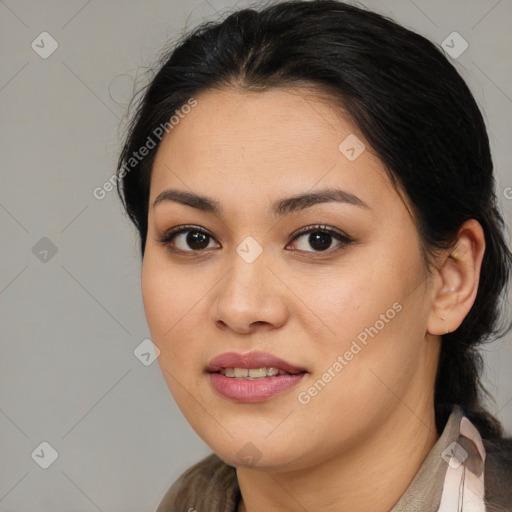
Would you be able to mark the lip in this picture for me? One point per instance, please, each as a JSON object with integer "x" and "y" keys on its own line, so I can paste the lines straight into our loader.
{"x": 257, "y": 390}
{"x": 249, "y": 391}
{"x": 251, "y": 360}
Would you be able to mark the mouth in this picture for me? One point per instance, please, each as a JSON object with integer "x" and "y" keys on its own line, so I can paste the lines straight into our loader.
{"x": 252, "y": 365}
{"x": 252, "y": 377}
{"x": 254, "y": 373}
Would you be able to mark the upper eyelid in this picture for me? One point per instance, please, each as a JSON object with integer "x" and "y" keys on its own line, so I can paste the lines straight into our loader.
{"x": 319, "y": 227}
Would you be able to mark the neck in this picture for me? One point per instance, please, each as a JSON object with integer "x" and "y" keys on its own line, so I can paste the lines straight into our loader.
{"x": 352, "y": 479}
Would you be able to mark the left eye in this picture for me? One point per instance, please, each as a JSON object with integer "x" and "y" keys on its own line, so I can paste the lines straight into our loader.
{"x": 320, "y": 238}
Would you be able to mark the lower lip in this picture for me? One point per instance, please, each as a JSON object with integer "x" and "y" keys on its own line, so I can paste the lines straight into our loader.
{"x": 257, "y": 390}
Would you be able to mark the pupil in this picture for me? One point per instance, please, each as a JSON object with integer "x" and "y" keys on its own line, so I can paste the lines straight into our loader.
{"x": 197, "y": 238}
{"x": 323, "y": 238}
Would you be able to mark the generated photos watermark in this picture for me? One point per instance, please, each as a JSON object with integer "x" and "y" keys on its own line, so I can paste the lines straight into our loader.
{"x": 137, "y": 156}
{"x": 304, "y": 397}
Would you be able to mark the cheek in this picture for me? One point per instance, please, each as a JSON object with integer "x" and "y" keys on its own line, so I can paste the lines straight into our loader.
{"x": 346, "y": 301}
{"x": 378, "y": 326}
{"x": 167, "y": 296}
{"x": 371, "y": 310}
{"x": 168, "y": 304}
{"x": 155, "y": 298}
{"x": 173, "y": 302}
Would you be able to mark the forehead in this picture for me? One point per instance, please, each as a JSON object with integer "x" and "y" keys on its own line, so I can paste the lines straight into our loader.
{"x": 271, "y": 143}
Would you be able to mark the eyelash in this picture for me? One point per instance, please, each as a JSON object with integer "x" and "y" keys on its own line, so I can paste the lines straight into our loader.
{"x": 344, "y": 240}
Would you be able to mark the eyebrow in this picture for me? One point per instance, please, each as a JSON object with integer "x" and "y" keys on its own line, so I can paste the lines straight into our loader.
{"x": 280, "y": 207}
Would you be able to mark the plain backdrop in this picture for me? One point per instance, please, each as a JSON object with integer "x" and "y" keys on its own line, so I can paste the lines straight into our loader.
{"x": 71, "y": 313}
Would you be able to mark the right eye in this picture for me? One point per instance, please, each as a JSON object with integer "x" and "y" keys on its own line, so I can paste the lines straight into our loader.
{"x": 196, "y": 238}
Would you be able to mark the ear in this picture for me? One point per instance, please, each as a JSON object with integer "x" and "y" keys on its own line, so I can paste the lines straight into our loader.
{"x": 456, "y": 282}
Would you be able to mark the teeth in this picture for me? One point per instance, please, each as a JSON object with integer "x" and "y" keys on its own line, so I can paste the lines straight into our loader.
{"x": 241, "y": 372}
{"x": 251, "y": 373}
{"x": 256, "y": 372}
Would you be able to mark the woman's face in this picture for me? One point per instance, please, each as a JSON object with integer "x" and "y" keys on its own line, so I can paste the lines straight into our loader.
{"x": 351, "y": 312}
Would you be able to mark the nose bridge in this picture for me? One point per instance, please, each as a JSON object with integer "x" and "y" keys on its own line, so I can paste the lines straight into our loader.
{"x": 249, "y": 265}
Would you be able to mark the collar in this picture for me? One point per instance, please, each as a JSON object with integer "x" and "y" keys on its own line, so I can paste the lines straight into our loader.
{"x": 451, "y": 478}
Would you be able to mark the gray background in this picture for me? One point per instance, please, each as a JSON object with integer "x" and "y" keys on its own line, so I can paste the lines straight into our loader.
{"x": 72, "y": 320}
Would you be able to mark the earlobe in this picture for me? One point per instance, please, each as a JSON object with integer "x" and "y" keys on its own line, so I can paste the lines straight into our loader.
{"x": 457, "y": 280}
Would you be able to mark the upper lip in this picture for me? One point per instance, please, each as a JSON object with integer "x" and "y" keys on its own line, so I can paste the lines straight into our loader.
{"x": 251, "y": 360}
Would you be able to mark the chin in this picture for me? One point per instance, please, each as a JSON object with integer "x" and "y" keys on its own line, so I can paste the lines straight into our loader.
{"x": 260, "y": 454}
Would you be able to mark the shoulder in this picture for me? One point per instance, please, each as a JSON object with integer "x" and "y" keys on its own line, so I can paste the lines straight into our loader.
{"x": 210, "y": 484}
{"x": 498, "y": 474}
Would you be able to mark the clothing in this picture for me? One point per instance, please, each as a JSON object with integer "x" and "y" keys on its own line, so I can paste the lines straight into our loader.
{"x": 462, "y": 473}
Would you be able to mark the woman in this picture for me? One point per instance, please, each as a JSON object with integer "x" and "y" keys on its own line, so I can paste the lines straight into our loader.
{"x": 322, "y": 254}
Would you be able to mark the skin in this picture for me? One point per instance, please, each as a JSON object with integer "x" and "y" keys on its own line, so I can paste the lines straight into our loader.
{"x": 359, "y": 442}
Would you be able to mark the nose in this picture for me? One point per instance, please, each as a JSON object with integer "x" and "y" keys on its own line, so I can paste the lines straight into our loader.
{"x": 251, "y": 295}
